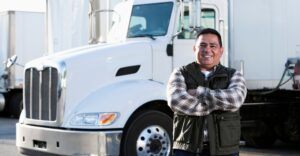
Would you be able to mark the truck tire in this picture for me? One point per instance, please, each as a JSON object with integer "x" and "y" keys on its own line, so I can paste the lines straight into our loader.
{"x": 149, "y": 134}
{"x": 15, "y": 104}
{"x": 261, "y": 136}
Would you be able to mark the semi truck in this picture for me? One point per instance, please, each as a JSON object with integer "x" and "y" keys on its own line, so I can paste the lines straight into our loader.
{"x": 110, "y": 98}
{"x": 22, "y": 33}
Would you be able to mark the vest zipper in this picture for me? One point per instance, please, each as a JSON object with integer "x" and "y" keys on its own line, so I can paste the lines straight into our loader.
{"x": 205, "y": 134}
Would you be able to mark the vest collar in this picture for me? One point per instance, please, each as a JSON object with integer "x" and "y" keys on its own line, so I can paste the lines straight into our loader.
{"x": 193, "y": 69}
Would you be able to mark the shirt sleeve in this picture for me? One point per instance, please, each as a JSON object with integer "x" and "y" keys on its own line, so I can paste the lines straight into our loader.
{"x": 180, "y": 100}
{"x": 230, "y": 99}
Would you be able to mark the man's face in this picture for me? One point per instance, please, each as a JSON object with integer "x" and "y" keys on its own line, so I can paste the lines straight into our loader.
{"x": 208, "y": 51}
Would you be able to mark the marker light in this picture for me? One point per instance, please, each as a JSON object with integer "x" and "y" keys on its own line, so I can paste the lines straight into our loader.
{"x": 107, "y": 118}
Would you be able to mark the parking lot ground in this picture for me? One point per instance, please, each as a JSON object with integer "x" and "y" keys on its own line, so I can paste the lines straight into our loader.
{"x": 8, "y": 141}
{"x": 279, "y": 149}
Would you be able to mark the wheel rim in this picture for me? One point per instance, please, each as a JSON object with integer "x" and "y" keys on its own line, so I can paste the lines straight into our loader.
{"x": 153, "y": 141}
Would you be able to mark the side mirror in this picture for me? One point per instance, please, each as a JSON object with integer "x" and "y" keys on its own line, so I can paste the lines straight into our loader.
{"x": 11, "y": 61}
{"x": 194, "y": 13}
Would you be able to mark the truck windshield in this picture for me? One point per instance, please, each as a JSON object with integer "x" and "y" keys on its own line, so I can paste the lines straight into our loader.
{"x": 150, "y": 20}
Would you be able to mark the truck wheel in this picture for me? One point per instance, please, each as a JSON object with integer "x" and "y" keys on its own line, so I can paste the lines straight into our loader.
{"x": 260, "y": 137}
{"x": 149, "y": 134}
{"x": 15, "y": 105}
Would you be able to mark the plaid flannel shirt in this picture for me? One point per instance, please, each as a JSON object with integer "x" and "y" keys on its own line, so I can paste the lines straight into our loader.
{"x": 205, "y": 100}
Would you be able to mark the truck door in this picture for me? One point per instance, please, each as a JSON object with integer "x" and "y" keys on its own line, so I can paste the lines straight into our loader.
{"x": 213, "y": 15}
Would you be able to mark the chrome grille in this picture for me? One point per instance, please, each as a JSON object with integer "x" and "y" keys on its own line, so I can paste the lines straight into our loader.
{"x": 41, "y": 93}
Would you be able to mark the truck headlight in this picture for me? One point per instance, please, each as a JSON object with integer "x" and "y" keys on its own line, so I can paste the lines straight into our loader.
{"x": 94, "y": 119}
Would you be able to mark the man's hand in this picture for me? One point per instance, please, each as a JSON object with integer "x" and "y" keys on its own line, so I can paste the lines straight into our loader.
{"x": 192, "y": 92}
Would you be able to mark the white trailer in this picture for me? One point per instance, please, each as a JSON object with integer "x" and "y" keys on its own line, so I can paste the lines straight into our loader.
{"x": 22, "y": 33}
{"x": 109, "y": 98}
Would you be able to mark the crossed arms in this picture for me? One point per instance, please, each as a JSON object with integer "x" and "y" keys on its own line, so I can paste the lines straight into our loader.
{"x": 202, "y": 101}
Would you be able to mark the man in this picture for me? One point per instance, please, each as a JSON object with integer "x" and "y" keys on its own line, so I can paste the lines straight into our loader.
{"x": 205, "y": 97}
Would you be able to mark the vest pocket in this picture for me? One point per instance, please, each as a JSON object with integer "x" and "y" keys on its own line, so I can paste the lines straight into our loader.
{"x": 229, "y": 127}
{"x": 187, "y": 129}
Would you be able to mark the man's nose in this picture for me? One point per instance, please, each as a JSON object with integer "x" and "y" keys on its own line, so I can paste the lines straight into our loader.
{"x": 206, "y": 49}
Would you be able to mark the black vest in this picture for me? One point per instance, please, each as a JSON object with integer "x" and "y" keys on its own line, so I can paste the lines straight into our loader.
{"x": 224, "y": 128}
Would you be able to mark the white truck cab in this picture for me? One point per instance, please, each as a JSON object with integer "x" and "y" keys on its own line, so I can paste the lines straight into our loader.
{"x": 108, "y": 98}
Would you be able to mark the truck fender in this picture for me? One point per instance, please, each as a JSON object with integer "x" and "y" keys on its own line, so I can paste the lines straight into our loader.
{"x": 123, "y": 97}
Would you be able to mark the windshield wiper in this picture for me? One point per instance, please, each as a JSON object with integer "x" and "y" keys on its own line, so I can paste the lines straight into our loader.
{"x": 144, "y": 35}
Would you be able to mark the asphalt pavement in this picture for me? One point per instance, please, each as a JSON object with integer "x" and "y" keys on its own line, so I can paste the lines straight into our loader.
{"x": 8, "y": 137}
{"x": 8, "y": 143}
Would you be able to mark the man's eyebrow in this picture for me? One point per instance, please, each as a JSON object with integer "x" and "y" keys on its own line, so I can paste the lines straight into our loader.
{"x": 213, "y": 43}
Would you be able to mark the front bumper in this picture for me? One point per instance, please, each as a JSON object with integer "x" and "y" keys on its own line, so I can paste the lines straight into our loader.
{"x": 67, "y": 142}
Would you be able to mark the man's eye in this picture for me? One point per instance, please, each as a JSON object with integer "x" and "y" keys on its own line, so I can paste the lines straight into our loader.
{"x": 203, "y": 45}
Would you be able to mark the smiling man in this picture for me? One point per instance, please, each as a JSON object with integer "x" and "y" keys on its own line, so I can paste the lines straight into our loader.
{"x": 205, "y": 97}
{"x": 208, "y": 50}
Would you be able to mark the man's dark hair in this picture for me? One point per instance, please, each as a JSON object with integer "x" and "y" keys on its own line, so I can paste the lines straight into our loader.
{"x": 210, "y": 31}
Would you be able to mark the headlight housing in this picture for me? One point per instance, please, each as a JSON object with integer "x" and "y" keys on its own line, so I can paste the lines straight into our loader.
{"x": 94, "y": 119}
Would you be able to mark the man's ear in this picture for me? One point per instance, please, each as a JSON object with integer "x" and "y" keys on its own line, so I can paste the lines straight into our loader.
{"x": 194, "y": 48}
{"x": 222, "y": 50}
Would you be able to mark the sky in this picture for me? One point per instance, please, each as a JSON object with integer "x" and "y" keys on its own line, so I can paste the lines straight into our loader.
{"x": 22, "y": 5}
